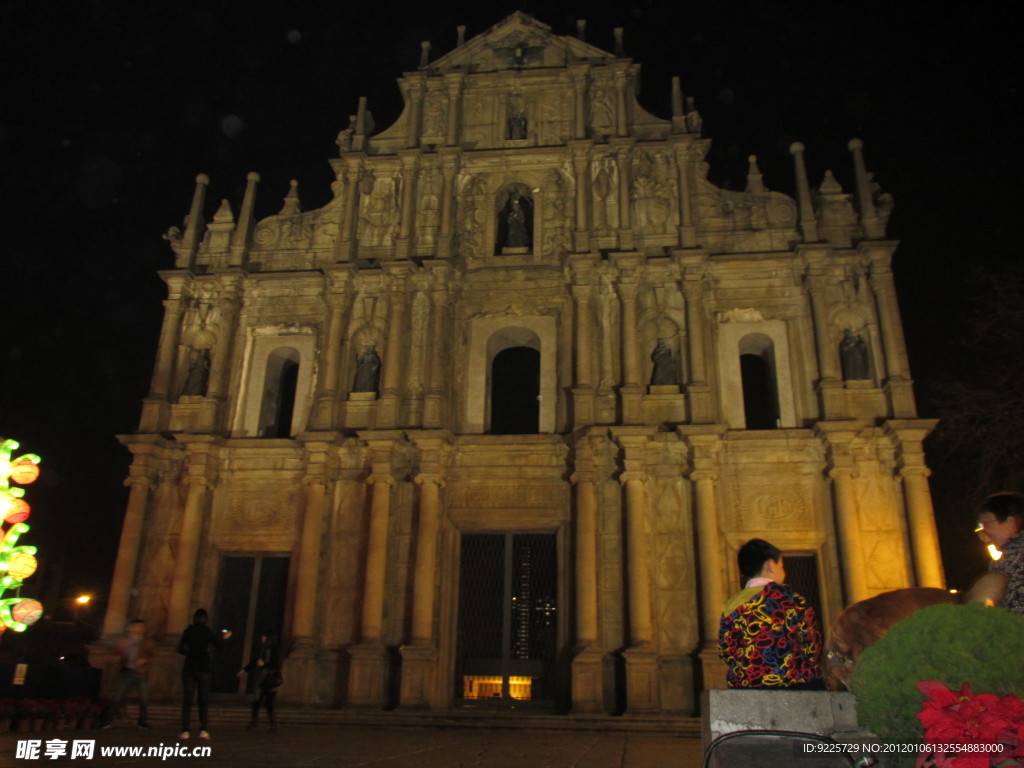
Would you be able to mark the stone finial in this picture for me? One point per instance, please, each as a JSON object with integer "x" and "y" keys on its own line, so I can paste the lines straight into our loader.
{"x": 361, "y": 117}
{"x": 829, "y": 185}
{"x": 755, "y": 181}
{"x": 581, "y": 29}
{"x": 246, "y": 218}
{"x": 677, "y": 97}
{"x": 292, "y": 206}
{"x": 693, "y": 118}
{"x": 424, "y": 53}
{"x": 808, "y": 223}
{"x": 460, "y": 35}
{"x": 619, "y": 48}
{"x": 224, "y": 213}
{"x": 195, "y": 223}
{"x": 868, "y": 216}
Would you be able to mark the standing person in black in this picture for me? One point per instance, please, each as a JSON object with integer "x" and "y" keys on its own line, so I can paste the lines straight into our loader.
{"x": 265, "y": 667}
{"x": 196, "y": 644}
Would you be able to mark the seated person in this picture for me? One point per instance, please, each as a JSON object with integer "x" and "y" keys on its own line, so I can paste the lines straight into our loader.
{"x": 1001, "y": 523}
{"x": 768, "y": 635}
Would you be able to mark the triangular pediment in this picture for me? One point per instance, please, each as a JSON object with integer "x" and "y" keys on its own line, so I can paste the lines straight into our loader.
{"x": 517, "y": 42}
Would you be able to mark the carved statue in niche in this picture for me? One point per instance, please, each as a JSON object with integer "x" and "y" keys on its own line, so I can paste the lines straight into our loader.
{"x": 602, "y": 116}
{"x": 665, "y": 371}
{"x": 198, "y": 374}
{"x": 516, "y": 123}
{"x": 378, "y": 215}
{"x": 853, "y": 352}
{"x": 515, "y": 218}
{"x": 430, "y": 201}
{"x": 367, "y": 371}
{"x": 605, "y": 175}
{"x": 653, "y": 194}
{"x": 556, "y": 214}
{"x": 470, "y": 218}
{"x": 435, "y": 115}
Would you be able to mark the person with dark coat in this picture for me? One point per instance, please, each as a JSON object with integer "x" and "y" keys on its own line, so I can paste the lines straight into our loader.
{"x": 197, "y": 644}
{"x": 265, "y": 667}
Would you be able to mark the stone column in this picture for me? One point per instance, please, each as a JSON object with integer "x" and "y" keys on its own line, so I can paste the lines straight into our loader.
{"x": 631, "y": 390}
{"x": 687, "y": 229}
{"x": 353, "y": 172}
{"x": 454, "y": 82}
{"x": 419, "y": 657}
{"x": 449, "y": 171}
{"x": 583, "y": 392}
{"x": 924, "y": 539}
{"x": 907, "y": 437}
{"x": 410, "y": 168}
{"x": 183, "y": 577}
{"x": 581, "y": 167}
{"x": 327, "y": 387}
{"x": 128, "y": 550}
{"x": 623, "y": 161}
{"x": 300, "y": 668}
{"x": 433, "y": 407}
{"x": 368, "y": 676}
{"x": 702, "y": 410}
{"x": 851, "y": 545}
{"x": 415, "y": 93}
{"x": 868, "y": 215}
{"x": 587, "y": 687}
{"x": 709, "y": 548}
{"x": 579, "y": 87}
{"x": 642, "y": 685}
{"x": 155, "y": 406}
{"x": 621, "y": 76}
{"x": 387, "y": 408}
{"x": 898, "y": 384}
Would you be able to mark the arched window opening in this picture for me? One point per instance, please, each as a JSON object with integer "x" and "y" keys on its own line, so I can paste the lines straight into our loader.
{"x": 760, "y": 390}
{"x": 515, "y": 392}
{"x": 515, "y": 220}
{"x": 279, "y": 391}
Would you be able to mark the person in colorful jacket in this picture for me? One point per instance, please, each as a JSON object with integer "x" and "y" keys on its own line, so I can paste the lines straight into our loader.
{"x": 768, "y": 635}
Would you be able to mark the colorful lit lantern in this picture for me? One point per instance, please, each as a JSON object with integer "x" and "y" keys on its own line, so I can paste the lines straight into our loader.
{"x": 27, "y": 612}
{"x": 17, "y": 512}
{"x": 21, "y": 565}
{"x": 24, "y": 472}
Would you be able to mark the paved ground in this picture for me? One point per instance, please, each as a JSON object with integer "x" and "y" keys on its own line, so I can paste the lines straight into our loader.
{"x": 349, "y": 746}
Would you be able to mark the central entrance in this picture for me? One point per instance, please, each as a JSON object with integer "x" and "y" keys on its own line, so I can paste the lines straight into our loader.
{"x": 508, "y": 623}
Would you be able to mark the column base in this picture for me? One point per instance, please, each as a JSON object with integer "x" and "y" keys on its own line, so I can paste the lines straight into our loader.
{"x": 643, "y": 694}
{"x": 588, "y": 681}
{"x": 632, "y": 404}
{"x": 387, "y": 412}
{"x": 832, "y": 398}
{"x": 901, "y": 395}
{"x": 419, "y": 673}
{"x": 368, "y": 675}
{"x": 701, "y": 403}
{"x": 713, "y": 669}
{"x": 299, "y": 672}
{"x": 583, "y": 406}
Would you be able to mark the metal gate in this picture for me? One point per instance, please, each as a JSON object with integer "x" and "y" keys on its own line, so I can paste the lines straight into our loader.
{"x": 508, "y": 623}
{"x": 250, "y": 601}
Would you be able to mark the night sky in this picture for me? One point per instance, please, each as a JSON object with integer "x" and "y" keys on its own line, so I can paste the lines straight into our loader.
{"x": 110, "y": 108}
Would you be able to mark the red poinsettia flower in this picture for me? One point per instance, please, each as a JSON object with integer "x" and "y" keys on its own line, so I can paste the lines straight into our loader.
{"x": 937, "y": 692}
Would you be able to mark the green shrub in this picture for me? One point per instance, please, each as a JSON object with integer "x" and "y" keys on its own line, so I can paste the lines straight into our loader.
{"x": 954, "y": 644}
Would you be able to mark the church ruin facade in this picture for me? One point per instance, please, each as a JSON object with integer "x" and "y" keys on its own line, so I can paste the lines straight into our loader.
{"x": 489, "y": 427}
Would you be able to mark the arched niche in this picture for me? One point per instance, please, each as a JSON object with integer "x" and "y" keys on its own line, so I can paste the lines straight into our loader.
{"x": 491, "y": 336}
{"x": 766, "y": 340}
{"x": 514, "y": 230}
{"x": 277, "y": 386}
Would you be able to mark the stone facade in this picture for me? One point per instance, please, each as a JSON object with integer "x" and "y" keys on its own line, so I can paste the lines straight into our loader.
{"x": 324, "y": 384}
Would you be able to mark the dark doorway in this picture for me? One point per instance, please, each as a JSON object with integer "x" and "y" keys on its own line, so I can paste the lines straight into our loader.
{"x": 760, "y": 402}
{"x": 515, "y": 392}
{"x": 802, "y": 576}
{"x": 508, "y": 619}
{"x": 250, "y": 601}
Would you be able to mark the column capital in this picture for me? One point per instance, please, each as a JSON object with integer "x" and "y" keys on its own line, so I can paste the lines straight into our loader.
{"x": 430, "y": 477}
{"x": 378, "y": 478}
{"x": 632, "y": 475}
